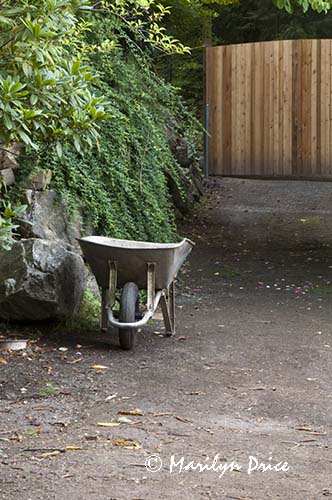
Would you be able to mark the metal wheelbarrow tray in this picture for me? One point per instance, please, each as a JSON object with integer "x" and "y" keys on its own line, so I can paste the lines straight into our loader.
{"x": 135, "y": 265}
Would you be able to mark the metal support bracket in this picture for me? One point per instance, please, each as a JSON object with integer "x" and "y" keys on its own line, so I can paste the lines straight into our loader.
{"x": 153, "y": 298}
{"x": 108, "y": 294}
{"x": 166, "y": 298}
{"x": 167, "y": 303}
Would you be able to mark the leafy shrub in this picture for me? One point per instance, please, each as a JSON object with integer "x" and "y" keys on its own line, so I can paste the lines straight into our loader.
{"x": 45, "y": 87}
{"x": 8, "y": 215}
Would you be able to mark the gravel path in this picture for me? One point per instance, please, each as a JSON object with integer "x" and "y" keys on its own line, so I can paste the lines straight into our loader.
{"x": 247, "y": 375}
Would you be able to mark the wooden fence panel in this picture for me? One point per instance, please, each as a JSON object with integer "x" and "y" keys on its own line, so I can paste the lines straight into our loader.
{"x": 270, "y": 109}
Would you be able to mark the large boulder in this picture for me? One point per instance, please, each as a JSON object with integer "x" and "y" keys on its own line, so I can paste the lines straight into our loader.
{"x": 49, "y": 220}
{"x": 40, "y": 280}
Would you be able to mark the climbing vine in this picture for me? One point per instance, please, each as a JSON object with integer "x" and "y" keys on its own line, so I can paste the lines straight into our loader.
{"x": 122, "y": 186}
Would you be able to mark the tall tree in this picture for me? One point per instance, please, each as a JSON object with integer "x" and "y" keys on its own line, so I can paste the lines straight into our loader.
{"x": 259, "y": 20}
{"x": 318, "y": 5}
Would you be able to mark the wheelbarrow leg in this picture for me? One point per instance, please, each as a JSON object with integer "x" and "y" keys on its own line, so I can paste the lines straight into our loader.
{"x": 168, "y": 309}
{"x": 108, "y": 294}
{"x": 105, "y": 292}
{"x": 151, "y": 284}
{"x": 171, "y": 304}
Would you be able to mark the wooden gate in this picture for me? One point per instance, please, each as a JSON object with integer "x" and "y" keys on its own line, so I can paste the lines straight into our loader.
{"x": 270, "y": 109}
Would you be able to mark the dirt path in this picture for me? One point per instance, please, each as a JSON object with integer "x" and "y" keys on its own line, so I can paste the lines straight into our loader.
{"x": 248, "y": 374}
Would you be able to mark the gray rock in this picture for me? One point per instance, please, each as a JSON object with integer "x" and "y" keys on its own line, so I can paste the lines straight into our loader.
{"x": 92, "y": 286}
{"x": 48, "y": 219}
{"x": 9, "y": 155}
{"x": 39, "y": 181}
{"x": 180, "y": 147}
{"x": 188, "y": 188}
{"x": 7, "y": 176}
{"x": 40, "y": 280}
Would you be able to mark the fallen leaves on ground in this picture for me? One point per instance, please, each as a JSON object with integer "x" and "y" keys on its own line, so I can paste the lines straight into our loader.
{"x": 108, "y": 424}
{"x": 55, "y": 452}
{"x": 99, "y": 367}
{"x": 50, "y": 454}
{"x": 128, "y": 444}
{"x": 240, "y": 498}
{"x": 134, "y": 413}
{"x": 124, "y": 420}
{"x": 17, "y": 437}
{"x": 78, "y": 360}
{"x": 308, "y": 430}
{"x": 182, "y": 419}
{"x": 112, "y": 396}
{"x": 3, "y": 361}
{"x": 90, "y": 437}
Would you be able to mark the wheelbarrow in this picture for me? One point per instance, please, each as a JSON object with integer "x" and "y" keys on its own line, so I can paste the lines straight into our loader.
{"x": 133, "y": 266}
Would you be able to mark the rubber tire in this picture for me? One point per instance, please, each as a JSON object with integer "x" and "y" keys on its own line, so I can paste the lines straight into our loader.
{"x": 129, "y": 305}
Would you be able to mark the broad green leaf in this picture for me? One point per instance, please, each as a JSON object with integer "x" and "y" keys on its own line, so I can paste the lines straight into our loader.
{"x": 59, "y": 149}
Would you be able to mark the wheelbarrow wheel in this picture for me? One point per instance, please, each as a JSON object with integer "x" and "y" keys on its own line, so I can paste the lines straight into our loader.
{"x": 129, "y": 306}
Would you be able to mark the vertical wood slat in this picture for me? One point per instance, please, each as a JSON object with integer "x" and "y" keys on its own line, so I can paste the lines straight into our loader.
{"x": 219, "y": 101}
{"x": 271, "y": 109}
{"x": 234, "y": 165}
{"x": 324, "y": 101}
{"x": 256, "y": 115}
{"x": 266, "y": 105}
{"x": 297, "y": 108}
{"x": 307, "y": 111}
{"x": 286, "y": 109}
{"x": 328, "y": 138}
{"x": 277, "y": 146}
{"x": 242, "y": 110}
{"x": 274, "y": 123}
{"x": 313, "y": 106}
{"x": 247, "y": 109}
{"x": 227, "y": 106}
{"x": 327, "y": 100}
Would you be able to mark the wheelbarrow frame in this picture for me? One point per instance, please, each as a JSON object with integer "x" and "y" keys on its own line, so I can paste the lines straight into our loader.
{"x": 133, "y": 266}
{"x": 165, "y": 297}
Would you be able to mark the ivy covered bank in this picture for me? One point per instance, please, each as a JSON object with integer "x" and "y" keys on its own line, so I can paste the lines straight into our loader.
{"x": 92, "y": 142}
{"x": 78, "y": 90}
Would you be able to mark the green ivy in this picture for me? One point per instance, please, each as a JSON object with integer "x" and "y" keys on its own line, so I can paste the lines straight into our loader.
{"x": 122, "y": 187}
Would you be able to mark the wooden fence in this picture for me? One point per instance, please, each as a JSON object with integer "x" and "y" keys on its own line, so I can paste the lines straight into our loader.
{"x": 270, "y": 109}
